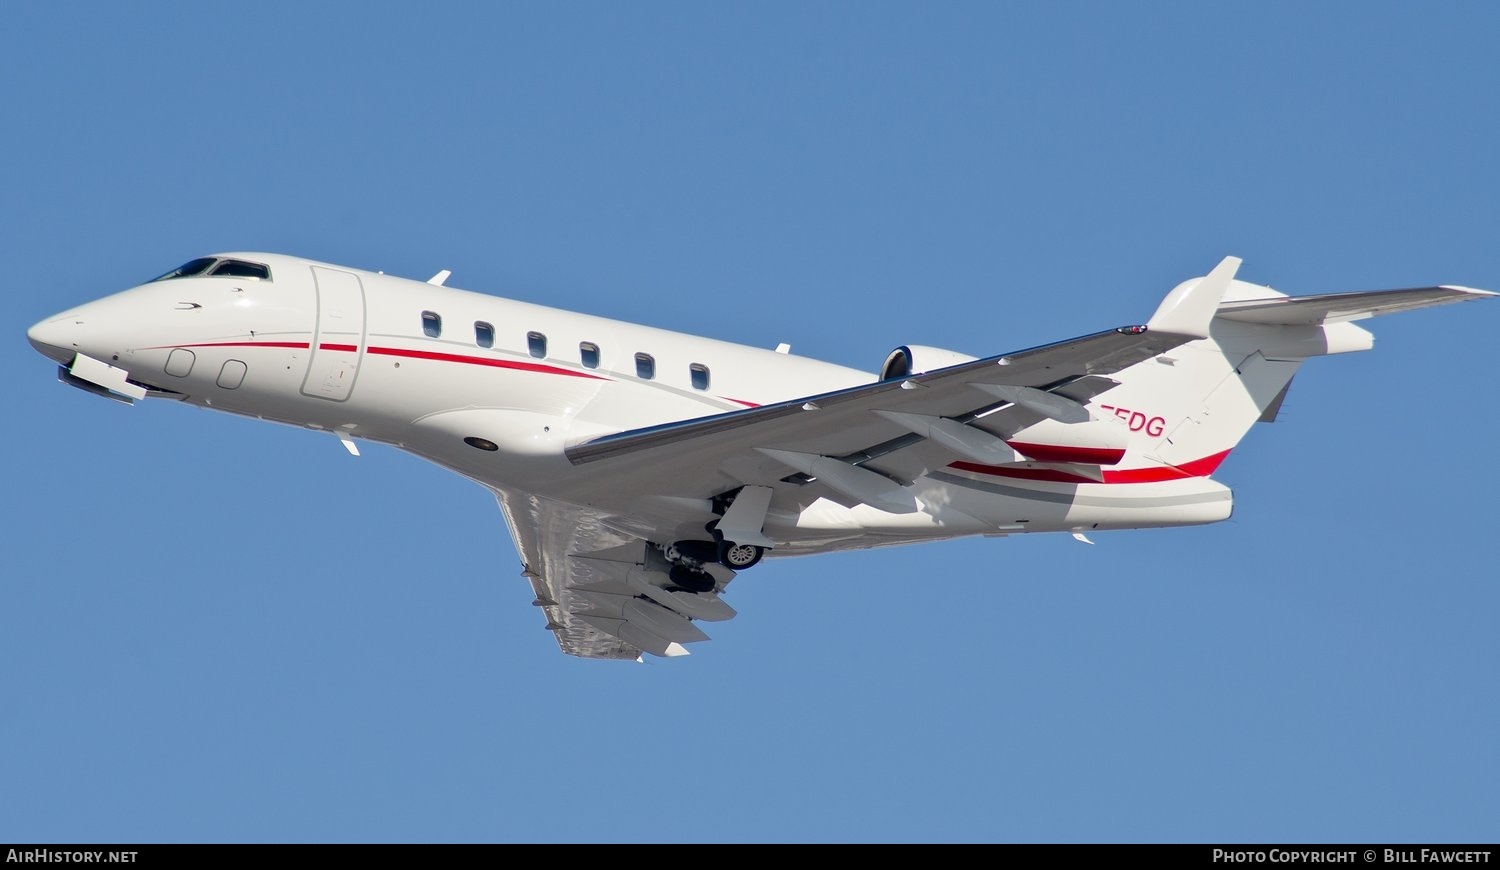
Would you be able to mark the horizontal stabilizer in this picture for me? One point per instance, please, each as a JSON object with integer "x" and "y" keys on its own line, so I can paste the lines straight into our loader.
{"x": 1342, "y": 307}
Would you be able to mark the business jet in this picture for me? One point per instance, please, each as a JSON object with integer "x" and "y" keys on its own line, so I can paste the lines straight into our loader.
{"x": 640, "y": 470}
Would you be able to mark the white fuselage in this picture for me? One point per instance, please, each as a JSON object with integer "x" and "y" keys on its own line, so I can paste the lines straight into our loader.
{"x": 380, "y": 358}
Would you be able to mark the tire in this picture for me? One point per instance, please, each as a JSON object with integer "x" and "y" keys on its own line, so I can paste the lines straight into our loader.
{"x": 702, "y": 551}
{"x": 686, "y": 578}
{"x": 738, "y": 557}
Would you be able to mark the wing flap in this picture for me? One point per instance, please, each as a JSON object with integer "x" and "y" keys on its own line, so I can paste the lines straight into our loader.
{"x": 647, "y": 616}
{"x": 605, "y": 594}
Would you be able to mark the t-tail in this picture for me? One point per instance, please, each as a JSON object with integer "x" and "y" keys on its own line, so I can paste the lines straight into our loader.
{"x": 1188, "y": 408}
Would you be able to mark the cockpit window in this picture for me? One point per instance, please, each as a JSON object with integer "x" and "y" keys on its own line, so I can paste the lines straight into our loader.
{"x": 241, "y": 269}
{"x": 191, "y": 267}
{"x": 225, "y": 268}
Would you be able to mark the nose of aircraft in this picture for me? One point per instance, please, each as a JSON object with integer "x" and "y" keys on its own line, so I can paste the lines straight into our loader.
{"x": 53, "y": 338}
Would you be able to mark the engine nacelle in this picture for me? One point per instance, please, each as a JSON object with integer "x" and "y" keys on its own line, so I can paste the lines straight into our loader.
{"x": 914, "y": 359}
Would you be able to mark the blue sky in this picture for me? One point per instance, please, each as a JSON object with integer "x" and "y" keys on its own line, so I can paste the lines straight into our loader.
{"x": 213, "y": 629}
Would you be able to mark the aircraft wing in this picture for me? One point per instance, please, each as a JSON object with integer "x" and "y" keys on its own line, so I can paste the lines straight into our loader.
{"x": 603, "y": 590}
{"x": 590, "y": 569}
{"x": 603, "y": 587}
{"x": 840, "y": 422}
{"x": 882, "y": 431}
{"x": 545, "y": 532}
{"x": 862, "y": 426}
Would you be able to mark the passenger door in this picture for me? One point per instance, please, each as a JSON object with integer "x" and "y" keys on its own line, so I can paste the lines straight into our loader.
{"x": 339, "y": 340}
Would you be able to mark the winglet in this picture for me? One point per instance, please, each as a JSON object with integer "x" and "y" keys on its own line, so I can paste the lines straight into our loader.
{"x": 1188, "y": 309}
{"x": 438, "y": 279}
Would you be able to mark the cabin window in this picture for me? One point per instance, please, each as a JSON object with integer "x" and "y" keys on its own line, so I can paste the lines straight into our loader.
{"x": 588, "y": 352}
{"x": 645, "y": 366}
{"x": 484, "y": 334}
{"x": 241, "y": 269}
{"x": 231, "y": 374}
{"x": 537, "y": 344}
{"x": 700, "y": 376}
{"x": 432, "y": 324}
{"x": 180, "y": 362}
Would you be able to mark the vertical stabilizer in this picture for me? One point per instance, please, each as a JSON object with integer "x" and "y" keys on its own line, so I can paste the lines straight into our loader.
{"x": 1189, "y": 407}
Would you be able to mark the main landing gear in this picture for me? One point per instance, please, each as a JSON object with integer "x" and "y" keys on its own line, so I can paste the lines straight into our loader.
{"x": 689, "y": 558}
{"x": 687, "y": 571}
{"x": 691, "y": 579}
{"x": 742, "y": 514}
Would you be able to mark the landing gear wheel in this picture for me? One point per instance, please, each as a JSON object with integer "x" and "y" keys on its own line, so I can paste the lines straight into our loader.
{"x": 686, "y": 578}
{"x": 739, "y": 556}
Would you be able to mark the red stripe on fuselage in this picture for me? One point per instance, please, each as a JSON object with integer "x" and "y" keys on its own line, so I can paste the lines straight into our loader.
{"x": 480, "y": 361}
{"x": 1051, "y": 475}
{"x": 435, "y": 356}
{"x": 290, "y": 344}
{"x": 1196, "y": 468}
{"x": 1082, "y": 455}
{"x": 396, "y": 351}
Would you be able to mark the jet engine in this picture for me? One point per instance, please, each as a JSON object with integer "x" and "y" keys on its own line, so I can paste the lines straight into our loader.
{"x": 913, "y": 359}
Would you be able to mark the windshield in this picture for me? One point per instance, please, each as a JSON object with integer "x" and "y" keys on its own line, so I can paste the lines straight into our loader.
{"x": 191, "y": 267}
{"x": 241, "y": 269}
{"x": 225, "y": 268}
